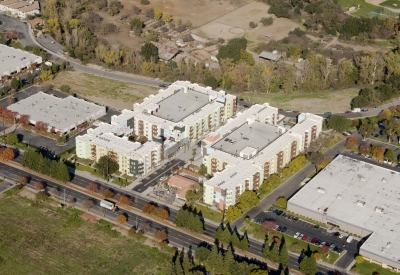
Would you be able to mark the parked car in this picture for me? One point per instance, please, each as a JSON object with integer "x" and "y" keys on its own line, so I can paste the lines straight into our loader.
{"x": 316, "y": 227}
{"x": 271, "y": 209}
{"x": 322, "y": 244}
{"x": 300, "y": 236}
{"x": 339, "y": 250}
{"x": 328, "y": 113}
{"x": 163, "y": 85}
{"x": 296, "y": 235}
{"x": 258, "y": 221}
{"x": 283, "y": 230}
{"x": 304, "y": 238}
{"x": 318, "y": 242}
{"x": 314, "y": 240}
{"x": 280, "y": 213}
{"x": 332, "y": 246}
{"x": 279, "y": 228}
{"x": 295, "y": 219}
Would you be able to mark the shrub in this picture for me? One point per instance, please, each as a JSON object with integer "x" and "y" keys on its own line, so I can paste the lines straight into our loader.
{"x": 252, "y": 24}
{"x": 144, "y": 2}
{"x": 267, "y": 21}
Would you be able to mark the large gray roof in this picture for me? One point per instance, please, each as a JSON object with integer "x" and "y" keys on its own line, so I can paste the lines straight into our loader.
{"x": 12, "y": 60}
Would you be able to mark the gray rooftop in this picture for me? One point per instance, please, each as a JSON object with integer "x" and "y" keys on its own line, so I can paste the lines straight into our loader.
{"x": 180, "y": 105}
{"x": 352, "y": 191}
{"x": 256, "y": 135}
{"x": 61, "y": 113}
{"x": 12, "y": 60}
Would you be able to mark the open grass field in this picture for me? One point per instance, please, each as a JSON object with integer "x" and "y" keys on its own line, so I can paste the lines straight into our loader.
{"x": 391, "y": 4}
{"x": 116, "y": 94}
{"x": 209, "y": 213}
{"x": 43, "y": 240}
{"x": 369, "y": 269}
{"x": 364, "y": 9}
{"x": 330, "y": 101}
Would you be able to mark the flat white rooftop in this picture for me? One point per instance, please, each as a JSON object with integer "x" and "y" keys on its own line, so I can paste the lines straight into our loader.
{"x": 360, "y": 194}
{"x": 61, "y": 113}
{"x": 14, "y": 60}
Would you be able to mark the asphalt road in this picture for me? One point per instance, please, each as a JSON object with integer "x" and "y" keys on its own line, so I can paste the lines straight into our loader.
{"x": 153, "y": 178}
{"x": 321, "y": 233}
{"x": 19, "y": 26}
{"x": 4, "y": 186}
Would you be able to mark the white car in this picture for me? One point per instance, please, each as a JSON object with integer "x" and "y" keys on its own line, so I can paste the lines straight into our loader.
{"x": 300, "y": 236}
{"x": 296, "y": 235}
{"x": 341, "y": 236}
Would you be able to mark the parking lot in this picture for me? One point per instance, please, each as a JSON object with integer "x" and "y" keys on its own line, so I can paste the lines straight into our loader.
{"x": 311, "y": 231}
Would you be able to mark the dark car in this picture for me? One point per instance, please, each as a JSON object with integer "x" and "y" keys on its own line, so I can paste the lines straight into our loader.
{"x": 336, "y": 234}
{"x": 284, "y": 229}
{"x": 279, "y": 213}
{"x": 271, "y": 209}
{"x": 162, "y": 85}
{"x": 313, "y": 241}
{"x": 318, "y": 242}
{"x": 279, "y": 228}
{"x": 316, "y": 227}
{"x": 227, "y": 139}
{"x": 295, "y": 219}
{"x": 258, "y": 221}
{"x": 241, "y": 99}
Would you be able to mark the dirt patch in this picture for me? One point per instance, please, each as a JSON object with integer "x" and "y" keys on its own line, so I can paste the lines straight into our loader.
{"x": 91, "y": 218}
{"x": 28, "y": 194}
{"x": 115, "y": 94}
{"x": 236, "y": 24}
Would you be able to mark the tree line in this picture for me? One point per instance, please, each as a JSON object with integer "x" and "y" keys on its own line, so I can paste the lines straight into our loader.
{"x": 34, "y": 160}
{"x": 224, "y": 234}
{"x": 187, "y": 217}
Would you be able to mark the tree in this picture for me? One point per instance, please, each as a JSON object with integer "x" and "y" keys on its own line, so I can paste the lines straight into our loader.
{"x": 308, "y": 265}
{"x": 15, "y": 84}
{"x": 125, "y": 201}
{"x": 166, "y": 18}
{"x": 121, "y": 219}
{"x": 269, "y": 226}
{"x": 359, "y": 259}
{"x": 317, "y": 255}
{"x": 150, "y": 52}
{"x": 233, "y": 213}
{"x": 389, "y": 155}
{"x": 162, "y": 214}
{"x": 274, "y": 253}
{"x": 267, "y": 21}
{"x": 107, "y": 165}
{"x": 366, "y": 129}
{"x": 148, "y": 208}
{"x": 23, "y": 120}
{"x": 283, "y": 253}
{"x": 247, "y": 200}
{"x": 229, "y": 260}
{"x": 259, "y": 272}
{"x": 365, "y": 148}
{"x": 41, "y": 127}
{"x": 315, "y": 158}
{"x": 8, "y": 154}
{"x": 232, "y": 49}
{"x": 65, "y": 88}
{"x": 46, "y": 75}
{"x": 30, "y": 78}
{"x": 23, "y": 180}
{"x": 392, "y": 128}
{"x": 107, "y": 193}
{"x": 92, "y": 187}
{"x": 351, "y": 143}
{"x": 136, "y": 23}
{"x": 157, "y": 14}
{"x": 281, "y": 202}
{"x": 244, "y": 243}
{"x": 87, "y": 204}
{"x": 160, "y": 234}
{"x": 145, "y": 227}
{"x": 41, "y": 196}
{"x": 53, "y": 191}
{"x": 338, "y": 123}
{"x": 385, "y": 115}
{"x": 38, "y": 186}
{"x": 325, "y": 249}
{"x": 12, "y": 139}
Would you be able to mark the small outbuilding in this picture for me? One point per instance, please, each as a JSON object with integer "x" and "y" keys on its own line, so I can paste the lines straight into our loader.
{"x": 271, "y": 56}
{"x": 182, "y": 185}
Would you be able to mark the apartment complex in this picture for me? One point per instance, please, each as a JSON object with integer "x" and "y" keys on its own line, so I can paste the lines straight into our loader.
{"x": 360, "y": 198}
{"x": 251, "y": 147}
{"x": 20, "y": 8}
{"x": 182, "y": 113}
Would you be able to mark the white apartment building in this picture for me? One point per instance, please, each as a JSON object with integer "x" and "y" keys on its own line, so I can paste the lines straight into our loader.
{"x": 20, "y": 8}
{"x": 251, "y": 147}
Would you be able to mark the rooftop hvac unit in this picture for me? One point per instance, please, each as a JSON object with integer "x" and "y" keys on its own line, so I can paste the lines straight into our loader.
{"x": 379, "y": 209}
{"x": 321, "y": 190}
{"x": 339, "y": 197}
{"x": 360, "y": 203}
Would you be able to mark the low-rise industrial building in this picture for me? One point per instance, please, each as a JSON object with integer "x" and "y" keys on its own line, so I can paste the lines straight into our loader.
{"x": 249, "y": 148}
{"x": 360, "y": 198}
{"x": 13, "y": 60}
{"x": 61, "y": 115}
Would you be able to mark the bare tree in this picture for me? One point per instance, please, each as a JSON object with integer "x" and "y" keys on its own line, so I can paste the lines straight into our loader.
{"x": 54, "y": 192}
{"x": 92, "y": 187}
{"x": 87, "y": 204}
{"x": 145, "y": 227}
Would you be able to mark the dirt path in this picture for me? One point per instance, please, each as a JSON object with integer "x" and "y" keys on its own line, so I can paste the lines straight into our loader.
{"x": 335, "y": 41}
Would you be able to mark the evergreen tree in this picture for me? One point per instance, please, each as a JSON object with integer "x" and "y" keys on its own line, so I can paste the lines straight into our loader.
{"x": 186, "y": 263}
{"x": 178, "y": 267}
{"x": 226, "y": 234}
{"x": 229, "y": 261}
{"x": 274, "y": 254}
{"x": 170, "y": 269}
{"x": 63, "y": 173}
{"x": 218, "y": 234}
{"x": 213, "y": 258}
{"x": 308, "y": 265}
{"x": 265, "y": 251}
{"x": 46, "y": 167}
{"x": 244, "y": 243}
{"x": 235, "y": 241}
{"x": 181, "y": 218}
{"x": 283, "y": 253}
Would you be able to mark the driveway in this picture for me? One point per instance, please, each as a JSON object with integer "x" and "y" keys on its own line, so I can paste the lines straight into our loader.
{"x": 19, "y": 26}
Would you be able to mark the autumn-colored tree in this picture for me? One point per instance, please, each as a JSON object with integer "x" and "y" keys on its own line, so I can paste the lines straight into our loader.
{"x": 8, "y": 154}
{"x": 108, "y": 193}
{"x": 23, "y": 120}
{"x": 157, "y": 14}
{"x": 317, "y": 255}
{"x": 325, "y": 249}
{"x": 269, "y": 226}
{"x": 125, "y": 200}
{"x": 54, "y": 191}
{"x": 23, "y": 180}
{"x": 365, "y": 148}
{"x": 121, "y": 219}
{"x": 148, "y": 208}
{"x": 162, "y": 214}
{"x": 145, "y": 227}
{"x": 351, "y": 143}
{"x": 41, "y": 196}
{"x": 281, "y": 202}
{"x": 41, "y": 127}
{"x": 38, "y": 185}
{"x": 87, "y": 204}
{"x": 160, "y": 234}
{"x": 378, "y": 152}
{"x": 92, "y": 187}
{"x": 385, "y": 114}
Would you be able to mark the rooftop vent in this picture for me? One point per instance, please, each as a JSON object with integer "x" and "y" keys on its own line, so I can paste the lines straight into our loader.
{"x": 339, "y": 197}
{"x": 384, "y": 180}
{"x": 361, "y": 203}
{"x": 321, "y": 190}
{"x": 379, "y": 209}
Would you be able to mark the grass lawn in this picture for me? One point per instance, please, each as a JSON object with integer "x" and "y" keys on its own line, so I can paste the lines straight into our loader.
{"x": 391, "y": 4}
{"x": 116, "y": 94}
{"x": 89, "y": 169}
{"x": 17, "y": 45}
{"x": 367, "y": 268}
{"x": 255, "y": 229}
{"x": 45, "y": 240}
{"x": 364, "y": 6}
{"x": 305, "y": 102}
{"x": 209, "y": 213}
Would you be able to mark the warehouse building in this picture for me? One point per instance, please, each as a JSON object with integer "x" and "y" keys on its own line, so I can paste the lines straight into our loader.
{"x": 359, "y": 198}
{"x": 13, "y": 60}
{"x": 249, "y": 148}
{"x": 61, "y": 115}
